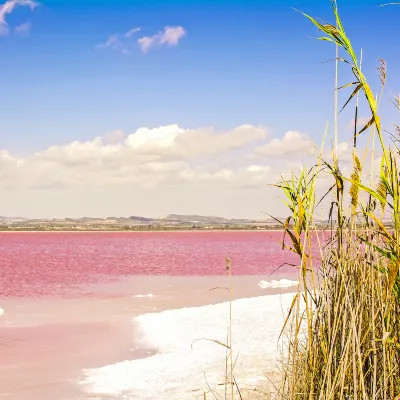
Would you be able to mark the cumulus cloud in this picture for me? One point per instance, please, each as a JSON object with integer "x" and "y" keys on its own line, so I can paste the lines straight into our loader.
{"x": 114, "y": 137}
{"x": 147, "y": 158}
{"x": 174, "y": 141}
{"x": 161, "y": 170}
{"x": 7, "y": 8}
{"x": 170, "y": 35}
{"x": 166, "y": 142}
{"x": 291, "y": 143}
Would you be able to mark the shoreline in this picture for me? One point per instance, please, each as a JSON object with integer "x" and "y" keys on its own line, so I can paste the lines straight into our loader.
{"x": 136, "y": 231}
{"x": 100, "y": 382}
{"x": 97, "y": 332}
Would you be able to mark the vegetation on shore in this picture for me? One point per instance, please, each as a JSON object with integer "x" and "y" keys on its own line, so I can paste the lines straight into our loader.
{"x": 343, "y": 329}
{"x": 152, "y": 228}
{"x": 171, "y": 222}
{"x": 136, "y": 228}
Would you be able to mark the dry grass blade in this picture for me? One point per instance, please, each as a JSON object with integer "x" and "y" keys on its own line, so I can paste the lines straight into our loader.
{"x": 287, "y": 319}
{"x": 220, "y": 287}
{"x": 211, "y": 340}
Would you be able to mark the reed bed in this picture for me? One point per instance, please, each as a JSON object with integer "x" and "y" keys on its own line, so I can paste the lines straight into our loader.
{"x": 343, "y": 329}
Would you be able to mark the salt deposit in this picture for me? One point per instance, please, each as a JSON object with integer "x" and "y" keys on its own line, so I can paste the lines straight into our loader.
{"x": 283, "y": 283}
{"x": 183, "y": 362}
{"x": 144, "y": 295}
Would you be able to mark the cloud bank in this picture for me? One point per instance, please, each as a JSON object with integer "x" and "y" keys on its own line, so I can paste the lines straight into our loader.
{"x": 147, "y": 158}
{"x": 154, "y": 172}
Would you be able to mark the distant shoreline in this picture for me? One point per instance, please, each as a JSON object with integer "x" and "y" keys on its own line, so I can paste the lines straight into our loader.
{"x": 186, "y": 230}
{"x": 133, "y": 230}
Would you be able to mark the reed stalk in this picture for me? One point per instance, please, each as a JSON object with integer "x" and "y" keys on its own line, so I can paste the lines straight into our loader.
{"x": 343, "y": 327}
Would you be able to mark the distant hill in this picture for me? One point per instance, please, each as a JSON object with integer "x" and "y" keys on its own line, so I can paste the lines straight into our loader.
{"x": 206, "y": 219}
{"x": 195, "y": 218}
{"x": 12, "y": 219}
{"x": 135, "y": 220}
{"x": 141, "y": 219}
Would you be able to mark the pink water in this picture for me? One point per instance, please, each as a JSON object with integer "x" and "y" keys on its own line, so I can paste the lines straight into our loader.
{"x": 35, "y": 264}
{"x": 69, "y": 298}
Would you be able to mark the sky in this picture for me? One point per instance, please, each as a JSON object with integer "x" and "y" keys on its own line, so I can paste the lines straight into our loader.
{"x": 151, "y": 107}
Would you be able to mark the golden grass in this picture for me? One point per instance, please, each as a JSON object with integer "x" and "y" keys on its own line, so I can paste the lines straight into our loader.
{"x": 344, "y": 325}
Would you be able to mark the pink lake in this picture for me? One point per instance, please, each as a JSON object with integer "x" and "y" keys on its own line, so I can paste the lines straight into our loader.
{"x": 70, "y": 299}
{"x": 59, "y": 263}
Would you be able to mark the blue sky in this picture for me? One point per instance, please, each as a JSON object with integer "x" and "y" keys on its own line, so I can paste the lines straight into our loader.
{"x": 240, "y": 62}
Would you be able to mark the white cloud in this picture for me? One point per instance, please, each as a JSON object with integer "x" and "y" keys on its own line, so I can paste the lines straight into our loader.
{"x": 114, "y": 137}
{"x": 344, "y": 152}
{"x": 131, "y": 32}
{"x": 8, "y": 7}
{"x": 361, "y": 122}
{"x": 124, "y": 43}
{"x": 159, "y": 170}
{"x": 23, "y": 29}
{"x": 165, "y": 142}
{"x": 258, "y": 169}
{"x": 292, "y": 142}
{"x": 146, "y": 158}
{"x": 114, "y": 42}
{"x": 170, "y": 35}
{"x": 111, "y": 41}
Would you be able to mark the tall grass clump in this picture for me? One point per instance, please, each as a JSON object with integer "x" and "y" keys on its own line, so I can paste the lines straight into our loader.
{"x": 343, "y": 327}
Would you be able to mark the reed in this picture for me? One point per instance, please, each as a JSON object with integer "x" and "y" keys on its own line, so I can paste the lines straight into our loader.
{"x": 343, "y": 328}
